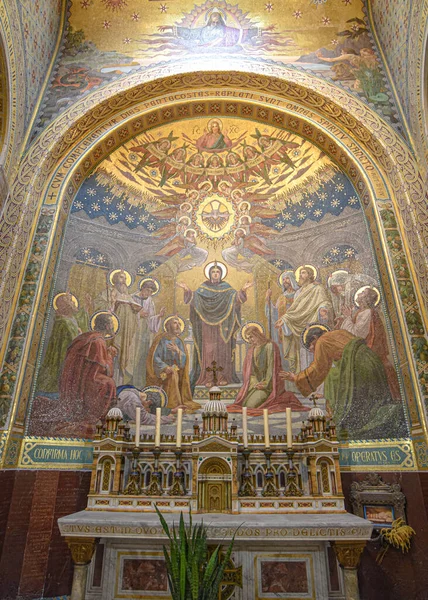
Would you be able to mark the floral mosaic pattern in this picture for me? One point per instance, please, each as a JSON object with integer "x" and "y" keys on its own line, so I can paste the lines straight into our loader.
{"x": 408, "y": 297}
{"x": 25, "y": 304}
{"x": 40, "y": 23}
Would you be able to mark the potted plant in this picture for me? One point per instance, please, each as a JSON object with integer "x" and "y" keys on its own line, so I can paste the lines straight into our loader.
{"x": 194, "y": 573}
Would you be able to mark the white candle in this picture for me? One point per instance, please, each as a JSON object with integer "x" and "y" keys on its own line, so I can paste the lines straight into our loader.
{"x": 157, "y": 430}
{"x": 137, "y": 426}
{"x": 179, "y": 426}
{"x": 289, "y": 428}
{"x": 245, "y": 426}
{"x": 266, "y": 424}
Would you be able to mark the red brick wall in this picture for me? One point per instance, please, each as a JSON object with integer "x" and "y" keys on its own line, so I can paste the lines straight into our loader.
{"x": 399, "y": 576}
{"x": 35, "y": 561}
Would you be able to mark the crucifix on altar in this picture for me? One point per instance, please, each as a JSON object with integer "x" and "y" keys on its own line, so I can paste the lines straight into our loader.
{"x": 214, "y": 369}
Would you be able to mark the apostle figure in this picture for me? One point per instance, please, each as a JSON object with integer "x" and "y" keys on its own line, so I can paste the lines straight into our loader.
{"x": 262, "y": 387}
{"x": 168, "y": 365}
{"x": 336, "y": 284}
{"x": 311, "y": 304}
{"x": 123, "y": 304}
{"x": 356, "y": 389}
{"x": 366, "y": 323}
{"x": 86, "y": 385}
{"x": 215, "y": 315}
{"x": 129, "y": 398}
{"x": 148, "y": 324}
{"x": 69, "y": 322}
{"x": 275, "y": 311}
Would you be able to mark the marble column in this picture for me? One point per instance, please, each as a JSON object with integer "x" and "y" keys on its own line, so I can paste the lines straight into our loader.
{"x": 82, "y": 550}
{"x": 348, "y": 555}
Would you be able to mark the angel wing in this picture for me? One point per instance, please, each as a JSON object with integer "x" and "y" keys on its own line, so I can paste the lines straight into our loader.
{"x": 165, "y": 213}
{"x": 263, "y": 230}
{"x": 256, "y": 245}
{"x": 165, "y": 232}
{"x": 172, "y": 247}
{"x": 263, "y": 212}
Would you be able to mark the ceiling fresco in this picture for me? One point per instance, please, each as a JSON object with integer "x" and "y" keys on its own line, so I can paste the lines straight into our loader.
{"x": 110, "y": 39}
{"x": 216, "y": 239}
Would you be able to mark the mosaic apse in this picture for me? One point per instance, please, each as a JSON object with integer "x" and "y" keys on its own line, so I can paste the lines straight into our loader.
{"x": 110, "y": 40}
{"x": 217, "y": 251}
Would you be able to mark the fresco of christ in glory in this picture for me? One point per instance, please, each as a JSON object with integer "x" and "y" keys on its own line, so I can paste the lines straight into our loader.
{"x": 215, "y": 314}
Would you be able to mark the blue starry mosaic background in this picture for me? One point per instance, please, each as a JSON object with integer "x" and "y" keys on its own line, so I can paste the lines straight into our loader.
{"x": 331, "y": 197}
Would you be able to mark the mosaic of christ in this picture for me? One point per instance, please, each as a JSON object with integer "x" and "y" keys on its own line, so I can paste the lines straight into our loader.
{"x": 217, "y": 252}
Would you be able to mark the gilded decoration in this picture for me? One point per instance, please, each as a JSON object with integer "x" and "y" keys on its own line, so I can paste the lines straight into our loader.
{"x": 82, "y": 549}
{"x": 262, "y": 115}
{"x": 348, "y": 553}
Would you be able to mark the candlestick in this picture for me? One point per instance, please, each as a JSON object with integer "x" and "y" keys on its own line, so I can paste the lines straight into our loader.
{"x": 137, "y": 426}
{"x": 289, "y": 428}
{"x": 245, "y": 427}
{"x": 179, "y": 427}
{"x": 157, "y": 430}
{"x": 266, "y": 424}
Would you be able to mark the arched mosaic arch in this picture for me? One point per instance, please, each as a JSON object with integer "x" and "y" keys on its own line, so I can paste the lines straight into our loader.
{"x": 68, "y": 161}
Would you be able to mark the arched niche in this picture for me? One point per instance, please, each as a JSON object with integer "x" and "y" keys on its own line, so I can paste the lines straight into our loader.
{"x": 345, "y": 139}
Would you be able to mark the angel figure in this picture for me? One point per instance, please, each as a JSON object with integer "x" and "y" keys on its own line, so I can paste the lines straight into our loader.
{"x": 174, "y": 165}
{"x": 240, "y": 255}
{"x": 184, "y": 247}
{"x": 153, "y": 153}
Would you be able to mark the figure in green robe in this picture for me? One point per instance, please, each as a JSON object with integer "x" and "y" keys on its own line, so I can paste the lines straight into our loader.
{"x": 356, "y": 387}
{"x": 69, "y": 323}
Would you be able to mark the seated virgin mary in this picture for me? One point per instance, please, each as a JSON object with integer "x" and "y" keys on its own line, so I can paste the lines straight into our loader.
{"x": 262, "y": 388}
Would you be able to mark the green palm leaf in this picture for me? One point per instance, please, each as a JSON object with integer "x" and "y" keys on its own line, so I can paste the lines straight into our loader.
{"x": 191, "y": 575}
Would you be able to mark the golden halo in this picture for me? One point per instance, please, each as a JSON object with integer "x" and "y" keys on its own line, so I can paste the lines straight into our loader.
{"x": 245, "y": 217}
{"x": 297, "y": 271}
{"x": 365, "y": 287}
{"x": 240, "y": 229}
{"x": 159, "y": 390}
{"x": 185, "y": 204}
{"x": 190, "y": 229}
{"x": 244, "y": 328}
{"x": 185, "y": 218}
{"x": 73, "y": 299}
{"x": 218, "y": 10}
{"x": 113, "y": 273}
{"x": 220, "y": 124}
{"x": 218, "y": 264}
{"x": 182, "y": 323}
{"x": 282, "y": 275}
{"x": 309, "y": 327}
{"x": 155, "y": 281}
{"x": 336, "y": 273}
{"x": 241, "y": 204}
{"x": 115, "y": 320}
